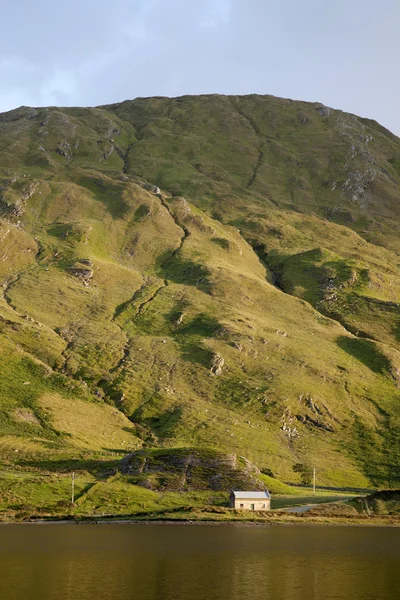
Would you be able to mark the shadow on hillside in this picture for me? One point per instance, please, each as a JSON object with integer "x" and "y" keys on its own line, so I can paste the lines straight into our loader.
{"x": 222, "y": 242}
{"x": 202, "y": 325}
{"x": 396, "y": 331}
{"x": 311, "y": 271}
{"x": 161, "y": 424}
{"x": 184, "y": 271}
{"x": 111, "y": 195}
{"x": 195, "y": 353}
{"x": 366, "y": 352}
{"x": 377, "y": 451}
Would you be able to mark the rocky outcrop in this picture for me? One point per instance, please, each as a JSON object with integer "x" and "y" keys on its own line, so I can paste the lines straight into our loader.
{"x": 14, "y": 194}
{"x": 217, "y": 364}
{"x": 187, "y": 469}
{"x": 64, "y": 149}
{"x": 82, "y": 271}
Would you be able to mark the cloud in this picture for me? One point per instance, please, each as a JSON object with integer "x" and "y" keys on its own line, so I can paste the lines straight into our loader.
{"x": 136, "y": 31}
{"x": 217, "y": 13}
{"x": 138, "y": 27}
{"x": 16, "y": 75}
{"x": 60, "y": 87}
{"x": 13, "y": 63}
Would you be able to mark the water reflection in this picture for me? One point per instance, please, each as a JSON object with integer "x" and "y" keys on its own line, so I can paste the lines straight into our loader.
{"x": 234, "y": 562}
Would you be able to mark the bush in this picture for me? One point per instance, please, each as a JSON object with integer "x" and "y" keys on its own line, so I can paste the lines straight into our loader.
{"x": 268, "y": 472}
{"x": 305, "y": 472}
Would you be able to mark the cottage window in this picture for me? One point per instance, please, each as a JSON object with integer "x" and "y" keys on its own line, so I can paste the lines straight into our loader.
{"x": 242, "y": 506}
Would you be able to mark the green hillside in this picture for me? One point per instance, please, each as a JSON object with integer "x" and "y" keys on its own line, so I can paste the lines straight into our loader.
{"x": 216, "y": 272}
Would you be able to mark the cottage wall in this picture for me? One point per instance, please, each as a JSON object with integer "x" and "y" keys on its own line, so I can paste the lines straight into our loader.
{"x": 246, "y": 504}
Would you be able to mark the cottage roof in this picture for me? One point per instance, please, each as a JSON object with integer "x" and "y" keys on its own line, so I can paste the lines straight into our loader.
{"x": 251, "y": 495}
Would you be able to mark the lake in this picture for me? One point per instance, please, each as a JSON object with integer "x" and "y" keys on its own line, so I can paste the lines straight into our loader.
{"x": 198, "y": 562}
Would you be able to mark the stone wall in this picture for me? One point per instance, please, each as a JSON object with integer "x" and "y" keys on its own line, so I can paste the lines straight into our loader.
{"x": 245, "y": 504}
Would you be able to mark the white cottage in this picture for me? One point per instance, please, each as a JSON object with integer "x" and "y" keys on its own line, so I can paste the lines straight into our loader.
{"x": 250, "y": 500}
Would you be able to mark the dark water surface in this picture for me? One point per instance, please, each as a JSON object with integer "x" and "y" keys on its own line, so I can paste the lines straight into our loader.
{"x": 198, "y": 562}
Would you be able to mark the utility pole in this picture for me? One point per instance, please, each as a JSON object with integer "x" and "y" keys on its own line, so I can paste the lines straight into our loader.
{"x": 313, "y": 487}
{"x": 73, "y": 489}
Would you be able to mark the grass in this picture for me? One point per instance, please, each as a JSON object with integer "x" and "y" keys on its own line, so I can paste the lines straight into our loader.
{"x": 277, "y": 273}
{"x": 319, "y": 498}
{"x": 34, "y": 493}
{"x": 90, "y": 425}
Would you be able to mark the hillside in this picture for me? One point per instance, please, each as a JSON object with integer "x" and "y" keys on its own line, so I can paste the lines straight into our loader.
{"x": 211, "y": 272}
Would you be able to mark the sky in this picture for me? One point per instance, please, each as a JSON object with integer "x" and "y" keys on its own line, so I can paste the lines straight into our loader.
{"x": 343, "y": 53}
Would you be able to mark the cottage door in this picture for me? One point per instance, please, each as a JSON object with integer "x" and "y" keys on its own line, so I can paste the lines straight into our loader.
{"x": 251, "y": 506}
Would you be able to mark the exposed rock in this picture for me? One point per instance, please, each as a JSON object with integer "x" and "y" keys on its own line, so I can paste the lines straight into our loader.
{"x": 330, "y": 415}
{"x": 312, "y": 406}
{"x": 108, "y": 153}
{"x": 113, "y": 131}
{"x": 25, "y": 415}
{"x": 290, "y": 432}
{"x": 85, "y": 275}
{"x": 303, "y": 119}
{"x": 187, "y": 469}
{"x": 357, "y": 184}
{"x": 198, "y": 221}
{"x": 86, "y": 261}
{"x": 64, "y": 149}
{"x": 217, "y": 363}
{"x": 307, "y": 420}
{"x": 324, "y": 111}
{"x": 183, "y": 205}
{"x": 11, "y": 205}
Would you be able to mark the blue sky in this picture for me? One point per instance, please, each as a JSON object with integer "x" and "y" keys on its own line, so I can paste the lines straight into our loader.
{"x": 344, "y": 53}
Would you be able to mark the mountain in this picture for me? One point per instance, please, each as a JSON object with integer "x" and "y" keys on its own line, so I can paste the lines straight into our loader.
{"x": 217, "y": 272}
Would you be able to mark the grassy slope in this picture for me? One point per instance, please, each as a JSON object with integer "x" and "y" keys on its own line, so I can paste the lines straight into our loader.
{"x": 273, "y": 246}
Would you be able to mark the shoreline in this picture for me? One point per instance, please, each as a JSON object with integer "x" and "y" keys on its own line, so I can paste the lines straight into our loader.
{"x": 146, "y": 522}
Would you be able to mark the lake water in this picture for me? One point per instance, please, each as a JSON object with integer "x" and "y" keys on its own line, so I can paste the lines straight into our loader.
{"x": 198, "y": 562}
